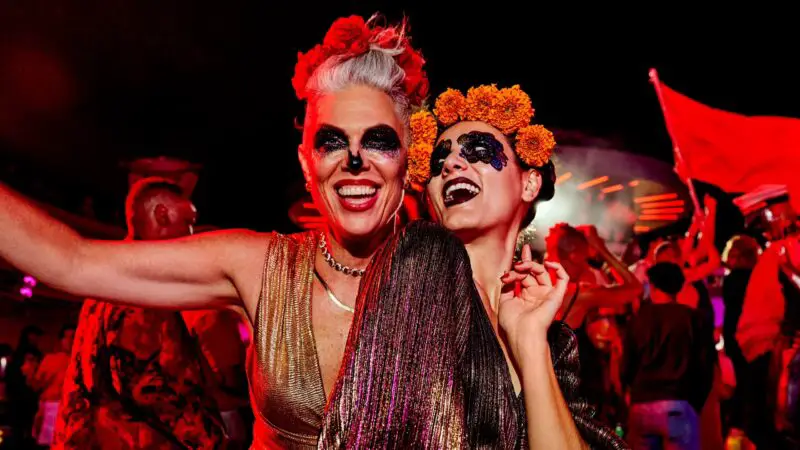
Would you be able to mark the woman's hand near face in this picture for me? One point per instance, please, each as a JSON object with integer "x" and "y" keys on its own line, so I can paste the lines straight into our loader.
{"x": 530, "y": 302}
{"x": 525, "y": 314}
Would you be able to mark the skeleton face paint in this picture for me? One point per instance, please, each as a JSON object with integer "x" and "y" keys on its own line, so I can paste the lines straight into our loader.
{"x": 440, "y": 153}
{"x": 381, "y": 138}
{"x": 484, "y": 147}
{"x": 354, "y": 161}
{"x": 329, "y": 139}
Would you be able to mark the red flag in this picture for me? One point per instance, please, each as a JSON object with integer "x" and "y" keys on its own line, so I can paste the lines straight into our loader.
{"x": 732, "y": 151}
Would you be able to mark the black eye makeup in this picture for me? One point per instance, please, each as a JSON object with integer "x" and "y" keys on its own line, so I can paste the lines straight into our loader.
{"x": 381, "y": 138}
{"x": 484, "y": 147}
{"x": 329, "y": 139}
{"x": 440, "y": 153}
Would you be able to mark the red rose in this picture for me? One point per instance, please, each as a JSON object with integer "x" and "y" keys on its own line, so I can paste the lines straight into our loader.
{"x": 348, "y": 35}
{"x": 306, "y": 65}
{"x": 416, "y": 81}
{"x": 421, "y": 91}
{"x": 416, "y": 86}
{"x": 410, "y": 60}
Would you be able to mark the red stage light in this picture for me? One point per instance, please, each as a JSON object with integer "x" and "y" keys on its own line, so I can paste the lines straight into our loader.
{"x": 652, "y": 198}
{"x": 659, "y": 217}
{"x": 590, "y": 183}
{"x": 663, "y": 211}
{"x": 614, "y": 188}
{"x": 672, "y": 204}
{"x": 563, "y": 178}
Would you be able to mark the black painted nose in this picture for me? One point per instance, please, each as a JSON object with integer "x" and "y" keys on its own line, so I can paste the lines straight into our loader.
{"x": 354, "y": 161}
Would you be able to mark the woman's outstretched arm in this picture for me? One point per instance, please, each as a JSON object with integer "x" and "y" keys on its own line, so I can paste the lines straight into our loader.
{"x": 192, "y": 272}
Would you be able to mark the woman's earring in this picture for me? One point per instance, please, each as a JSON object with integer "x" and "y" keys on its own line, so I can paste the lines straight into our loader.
{"x": 308, "y": 186}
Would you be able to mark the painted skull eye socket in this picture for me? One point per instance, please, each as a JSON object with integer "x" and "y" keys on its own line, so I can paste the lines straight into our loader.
{"x": 478, "y": 146}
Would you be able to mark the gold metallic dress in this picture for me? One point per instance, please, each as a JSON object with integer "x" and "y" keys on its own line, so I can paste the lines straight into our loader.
{"x": 287, "y": 394}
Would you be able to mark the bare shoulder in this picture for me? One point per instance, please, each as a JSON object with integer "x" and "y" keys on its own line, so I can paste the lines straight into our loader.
{"x": 240, "y": 248}
{"x": 243, "y": 252}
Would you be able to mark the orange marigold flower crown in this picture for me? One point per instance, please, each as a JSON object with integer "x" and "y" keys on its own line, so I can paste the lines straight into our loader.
{"x": 353, "y": 36}
{"x": 509, "y": 110}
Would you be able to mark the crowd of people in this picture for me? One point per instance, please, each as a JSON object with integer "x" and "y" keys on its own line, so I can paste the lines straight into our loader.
{"x": 703, "y": 355}
{"x": 439, "y": 333}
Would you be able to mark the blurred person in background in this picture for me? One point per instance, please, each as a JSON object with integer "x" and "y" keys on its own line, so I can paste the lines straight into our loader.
{"x": 23, "y": 401}
{"x": 588, "y": 288}
{"x": 768, "y": 331}
{"x": 600, "y": 348}
{"x": 668, "y": 366}
{"x": 218, "y": 332}
{"x": 48, "y": 381}
{"x": 739, "y": 258}
{"x": 697, "y": 255}
{"x": 137, "y": 378}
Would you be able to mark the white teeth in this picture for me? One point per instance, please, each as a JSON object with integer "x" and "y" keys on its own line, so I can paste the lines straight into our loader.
{"x": 356, "y": 191}
{"x": 466, "y": 186}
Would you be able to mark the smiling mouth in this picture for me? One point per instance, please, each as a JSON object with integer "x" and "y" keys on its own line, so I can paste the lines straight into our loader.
{"x": 356, "y": 191}
{"x": 458, "y": 191}
{"x": 357, "y": 195}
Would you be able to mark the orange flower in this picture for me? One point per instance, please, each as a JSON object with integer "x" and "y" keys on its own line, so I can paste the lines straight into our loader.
{"x": 481, "y": 103}
{"x": 512, "y": 111}
{"x": 450, "y": 106}
{"x": 423, "y": 128}
{"x": 419, "y": 164}
{"x": 535, "y": 145}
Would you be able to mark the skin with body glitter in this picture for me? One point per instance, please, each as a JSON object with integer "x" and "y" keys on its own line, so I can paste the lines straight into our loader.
{"x": 380, "y": 138}
{"x": 476, "y": 147}
{"x": 329, "y": 139}
{"x": 484, "y": 147}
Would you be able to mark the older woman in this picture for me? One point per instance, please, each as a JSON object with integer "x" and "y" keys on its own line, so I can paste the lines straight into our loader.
{"x": 360, "y": 85}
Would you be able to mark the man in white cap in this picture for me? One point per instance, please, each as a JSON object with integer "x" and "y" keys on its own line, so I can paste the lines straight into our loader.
{"x": 770, "y": 320}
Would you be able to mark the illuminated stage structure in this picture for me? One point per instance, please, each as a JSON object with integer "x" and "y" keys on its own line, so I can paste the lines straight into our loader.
{"x": 620, "y": 193}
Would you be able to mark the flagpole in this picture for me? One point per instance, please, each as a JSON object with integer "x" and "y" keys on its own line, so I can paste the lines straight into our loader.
{"x": 675, "y": 149}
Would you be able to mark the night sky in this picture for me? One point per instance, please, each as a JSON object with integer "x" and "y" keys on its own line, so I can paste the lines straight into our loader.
{"x": 210, "y": 81}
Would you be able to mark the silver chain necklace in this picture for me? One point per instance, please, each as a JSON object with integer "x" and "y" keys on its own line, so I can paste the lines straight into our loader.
{"x": 323, "y": 246}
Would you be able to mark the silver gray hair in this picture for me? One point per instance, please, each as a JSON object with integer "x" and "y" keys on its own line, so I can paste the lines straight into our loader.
{"x": 376, "y": 68}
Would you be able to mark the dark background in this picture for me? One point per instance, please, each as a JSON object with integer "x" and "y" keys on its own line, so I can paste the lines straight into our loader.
{"x": 88, "y": 84}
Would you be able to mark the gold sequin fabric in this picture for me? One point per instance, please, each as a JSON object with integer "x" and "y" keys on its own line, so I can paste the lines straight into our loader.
{"x": 287, "y": 394}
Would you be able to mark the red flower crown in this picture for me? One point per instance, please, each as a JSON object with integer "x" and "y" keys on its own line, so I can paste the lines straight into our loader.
{"x": 353, "y": 36}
